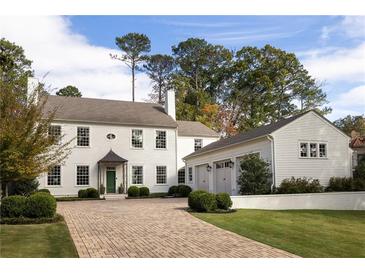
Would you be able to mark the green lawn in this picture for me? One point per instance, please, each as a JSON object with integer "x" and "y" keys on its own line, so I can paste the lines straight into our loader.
{"x": 307, "y": 233}
{"x": 36, "y": 241}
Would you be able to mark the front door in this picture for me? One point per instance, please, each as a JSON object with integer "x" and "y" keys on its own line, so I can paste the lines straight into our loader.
{"x": 110, "y": 180}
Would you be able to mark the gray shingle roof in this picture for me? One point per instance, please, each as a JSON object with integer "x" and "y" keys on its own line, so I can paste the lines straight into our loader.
{"x": 245, "y": 136}
{"x": 192, "y": 128}
{"x": 112, "y": 157}
{"x": 109, "y": 111}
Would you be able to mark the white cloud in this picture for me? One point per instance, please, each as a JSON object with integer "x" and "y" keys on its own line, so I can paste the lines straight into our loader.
{"x": 70, "y": 59}
{"x": 337, "y": 64}
{"x": 351, "y": 102}
{"x": 349, "y": 26}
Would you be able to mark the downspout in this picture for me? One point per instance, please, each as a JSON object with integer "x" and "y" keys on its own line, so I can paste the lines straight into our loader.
{"x": 273, "y": 185}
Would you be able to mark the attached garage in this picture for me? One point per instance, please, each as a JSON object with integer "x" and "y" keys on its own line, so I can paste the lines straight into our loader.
{"x": 222, "y": 174}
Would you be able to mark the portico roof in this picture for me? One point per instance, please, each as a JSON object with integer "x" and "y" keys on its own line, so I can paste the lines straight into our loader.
{"x": 112, "y": 157}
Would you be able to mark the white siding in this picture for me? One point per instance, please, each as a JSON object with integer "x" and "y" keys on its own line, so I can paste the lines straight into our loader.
{"x": 310, "y": 127}
{"x": 149, "y": 157}
{"x": 233, "y": 153}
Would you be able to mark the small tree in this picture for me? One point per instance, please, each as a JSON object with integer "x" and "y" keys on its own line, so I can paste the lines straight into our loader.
{"x": 26, "y": 148}
{"x": 134, "y": 46}
{"x": 69, "y": 91}
{"x": 254, "y": 175}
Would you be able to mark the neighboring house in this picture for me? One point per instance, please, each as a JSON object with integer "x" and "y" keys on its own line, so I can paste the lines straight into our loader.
{"x": 357, "y": 144}
{"x": 305, "y": 145}
{"x": 118, "y": 143}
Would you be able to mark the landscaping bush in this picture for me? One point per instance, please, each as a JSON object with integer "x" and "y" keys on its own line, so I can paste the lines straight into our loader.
{"x": 102, "y": 189}
{"x": 207, "y": 202}
{"x": 172, "y": 190}
{"x": 358, "y": 184}
{"x": 254, "y": 177}
{"x": 133, "y": 191}
{"x": 12, "y": 206}
{"x": 23, "y": 188}
{"x": 346, "y": 184}
{"x": 183, "y": 190}
{"x": 40, "y": 205}
{"x": 92, "y": 193}
{"x": 82, "y": 193}
{"x": 193, "y": 199}
{"x": 144, "y": 191}
{"x": 44, "y": 190}
{"x": 223, "y": 200}
{"x": 299, "y": 185}
{"x": 359, "y": 172}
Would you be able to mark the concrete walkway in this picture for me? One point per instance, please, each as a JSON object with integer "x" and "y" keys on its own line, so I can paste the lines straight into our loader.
{"x": 152, "y": 228}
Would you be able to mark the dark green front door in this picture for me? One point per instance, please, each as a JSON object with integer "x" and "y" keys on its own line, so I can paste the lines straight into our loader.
{"x": 110, "y": 181}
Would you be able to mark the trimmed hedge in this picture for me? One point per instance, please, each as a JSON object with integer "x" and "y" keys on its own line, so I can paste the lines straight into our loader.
{"x": 345, "y": 184}
{"x": 144, "y": 191}
{"x": 299, "y": 185}
{"x": 183, "y": 190}
{"x": 92, "y": 192}
{"x": 40, "y": 205}
{"x": 82, "y": 193}
{"x": 44, "y": 190}
{"x": 194, "y": 199}
{"x": 223, "y": 200}
{"x": 207, "y": 202}
{"x": 172, "y": 190}
{"x": 13, "y": 206}
{"x": 133, "y": 191}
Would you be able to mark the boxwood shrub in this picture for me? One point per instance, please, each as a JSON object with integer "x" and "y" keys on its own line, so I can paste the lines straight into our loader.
{"x": 346, "y": 184}
{"x": 299, "y": 185}
{"x": 13, "y": 206}
{"x": 40, "y": 205}
{"x": 82, "y": 193}
{"x": 92, "y": 193}
{"x": 183, "y": 190}
{"x": 193, "y": 199}
{"x": 45, "y": 190}
{"x": 133, "y": 191}
{"x": 223, "y": 200}
{"x": 144, "y": 191}
{"x": 172, "y": 190}
{"x": 207, "y": 202}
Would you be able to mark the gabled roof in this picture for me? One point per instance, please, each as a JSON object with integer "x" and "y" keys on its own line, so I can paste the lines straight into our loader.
{"x": 112, "y": 157}
{"x": 193, "y": 128}
{"x": 357, "y": 142}
{"x": 77, "y": 109}
{"x": 248, "y": 136}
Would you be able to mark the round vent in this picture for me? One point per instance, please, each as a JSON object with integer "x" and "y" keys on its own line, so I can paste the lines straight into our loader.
{"x": 110, "y": 136}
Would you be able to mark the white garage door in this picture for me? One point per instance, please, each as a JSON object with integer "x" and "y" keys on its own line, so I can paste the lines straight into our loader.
{"x": 202, "y": 177}
{"x": 223, "y": 177}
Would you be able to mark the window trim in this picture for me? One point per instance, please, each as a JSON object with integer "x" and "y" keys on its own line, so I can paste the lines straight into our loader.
{"x": 159, "y": 184}
{"x": 60, "y": 136}
{"x": 319, "y": 153}
{"x": 201, "y": 140}
{"x": 78, "y": 146}
{"x": 155, "y": 140}
{"x": 81, "y": 164}
{"x": 51, "y": 186}
{"x": 131, "y": 174}
{"x": 183, "y": 169}
{"x": 308, "y": 149}
{"x": 131, "y": 138}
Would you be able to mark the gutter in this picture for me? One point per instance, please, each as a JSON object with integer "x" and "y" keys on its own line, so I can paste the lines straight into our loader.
{"x": 271, "y": 139}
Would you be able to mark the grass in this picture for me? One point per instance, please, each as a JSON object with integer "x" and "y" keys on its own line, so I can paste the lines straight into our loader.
{"x": 36, "y": 241}
{"x": 307, "y": 233}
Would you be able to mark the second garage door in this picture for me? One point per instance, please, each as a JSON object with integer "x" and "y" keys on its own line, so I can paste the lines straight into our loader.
{"x": 202, "y": 177}
{"x": 223, "y": 177}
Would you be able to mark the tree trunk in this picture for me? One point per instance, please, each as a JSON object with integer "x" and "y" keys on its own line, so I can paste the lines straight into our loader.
{"x": 160, "y": 93}
{"x": 133, "y": 68}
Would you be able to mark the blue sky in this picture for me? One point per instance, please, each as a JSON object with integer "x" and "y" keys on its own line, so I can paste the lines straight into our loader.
{"x": 75, "y": 49}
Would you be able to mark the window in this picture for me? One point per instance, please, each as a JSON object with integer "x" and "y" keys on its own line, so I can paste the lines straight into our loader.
{"x": 54, "y": 176}
{"x": 161, "y": 175}
{"x": 82, "y": 178}
{"x": 313, "y": 150}
{"x": 181, "y": 176}
{"x": 322, "y": 150}
{"x": 190, "y": 170}
{"x": 54, "y": 131}
{"x": 83, "y": 136}
{"x": 160, "y": 139}
{"x": 137, "y": 138}
{"x": 137, "y": 175}
{"x": 198, "y": 143}
{"x": 303, "y": 150}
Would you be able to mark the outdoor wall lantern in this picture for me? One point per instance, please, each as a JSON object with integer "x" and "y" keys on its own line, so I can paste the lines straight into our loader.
{"x": 209, "y": 168}
{"x": 231, "y": 164}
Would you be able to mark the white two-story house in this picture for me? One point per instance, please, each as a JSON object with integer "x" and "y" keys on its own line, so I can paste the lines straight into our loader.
{"x": 119, "y": 144}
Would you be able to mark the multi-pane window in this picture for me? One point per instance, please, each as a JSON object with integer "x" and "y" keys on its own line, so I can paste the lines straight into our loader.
{"x": 190, "y": 171}
{"x": 137, "y": 175}
{"x": 198, "y": 143}
{"x": 137, "y": 138}
{"x": 54, "y": 176}
{"x": 54, "y": 131}
{"x": 82, "y": 175}
{"x": 161, "y": 175}
{"x": 160, "y": 139}
{"x": 322, "y": 150}
{"x": 313, "y": 150}
{"x": 303, "y": 150}
{"x": 83, "y": 136}
{"x": 181, "y": 176}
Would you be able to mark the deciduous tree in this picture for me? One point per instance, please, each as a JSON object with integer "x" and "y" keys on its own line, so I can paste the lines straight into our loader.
{"x": 69, "y": 91}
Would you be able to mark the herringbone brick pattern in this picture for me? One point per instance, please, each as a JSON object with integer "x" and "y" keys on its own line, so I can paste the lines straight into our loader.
{"x": 152, "y": 228}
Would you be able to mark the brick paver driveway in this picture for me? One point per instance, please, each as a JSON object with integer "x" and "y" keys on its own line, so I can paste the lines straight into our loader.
{"x": 152, "y": 228}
